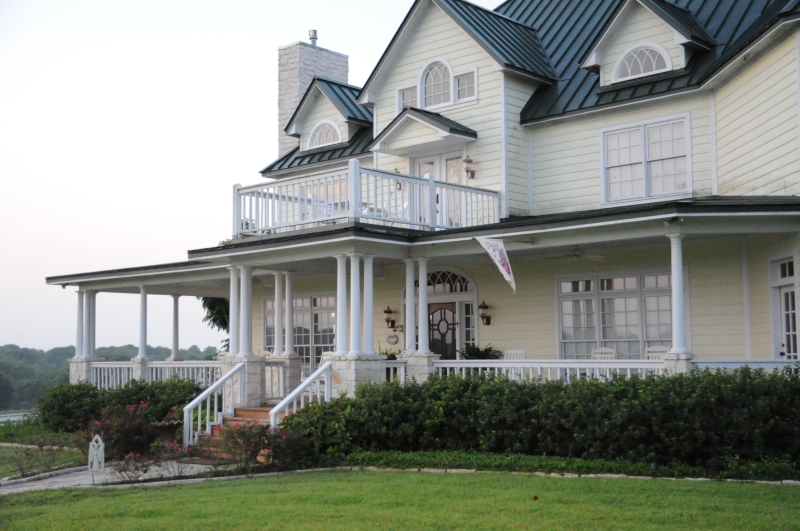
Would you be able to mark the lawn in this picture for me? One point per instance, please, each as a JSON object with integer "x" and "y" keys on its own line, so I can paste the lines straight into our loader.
{"x": 8, "y": 469}
{"x": 406, "y": 500}
{"x": 26, "y": 431}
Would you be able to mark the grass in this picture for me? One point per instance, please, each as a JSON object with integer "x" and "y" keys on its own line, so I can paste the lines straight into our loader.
{"x": 26, "y": 431}
{"x": 405, "y": 500}
{"x": 7, "y": 469}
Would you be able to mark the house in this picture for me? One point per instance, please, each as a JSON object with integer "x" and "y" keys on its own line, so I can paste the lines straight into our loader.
{"x": 639, "y": 160}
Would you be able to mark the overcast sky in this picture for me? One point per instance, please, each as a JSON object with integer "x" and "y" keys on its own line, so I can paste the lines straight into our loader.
{"x": 123, "y": 126}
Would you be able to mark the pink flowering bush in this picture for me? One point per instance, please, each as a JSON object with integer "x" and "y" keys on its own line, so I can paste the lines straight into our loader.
{"x": 125, "y": 430}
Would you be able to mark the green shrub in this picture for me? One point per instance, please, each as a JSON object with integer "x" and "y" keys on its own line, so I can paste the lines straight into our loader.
{"x": 124, "y": 429}
{"x": 161, "y": 396}
{"x": 711, "y": 420}
{"x": 69, "y": 408}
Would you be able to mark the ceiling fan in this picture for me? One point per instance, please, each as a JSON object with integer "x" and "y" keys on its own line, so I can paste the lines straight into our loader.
{"x": 576, "y": 255}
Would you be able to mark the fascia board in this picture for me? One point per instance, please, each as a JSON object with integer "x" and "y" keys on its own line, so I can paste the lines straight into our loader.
{"x": 595, "y": 52}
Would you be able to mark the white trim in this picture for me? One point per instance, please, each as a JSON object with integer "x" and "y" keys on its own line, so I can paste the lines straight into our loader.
{"x": 530, "y": 173}
{"x": 421, "y": 83}
{"x": 504, "y": 146}
{"x": 748, "y": 334}
{"x": 647, "y": 198}
{"x": 775, "y": 285}
{"x": 317, "y": 127}
{"x": 712, "y": 98}
{"x": 474, "y": 72}
{"x": 797, "y": 48}
{"x": 646, "y": 44}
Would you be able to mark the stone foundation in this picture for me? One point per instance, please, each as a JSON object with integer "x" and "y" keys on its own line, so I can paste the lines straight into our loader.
{"x": 349, "y": 371}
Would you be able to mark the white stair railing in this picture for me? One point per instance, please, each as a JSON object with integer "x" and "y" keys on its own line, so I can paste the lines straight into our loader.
{"x": 316, "y": 387}
{"x": 213, "y": 404}
{"x": 550, "y": 369}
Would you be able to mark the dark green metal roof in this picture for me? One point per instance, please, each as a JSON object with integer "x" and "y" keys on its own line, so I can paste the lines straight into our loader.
{"x": 568, "y": 29}
{"x": 357, "y": 145}
{"x": 343, "y": 97}
{"x": 432, "y": 118}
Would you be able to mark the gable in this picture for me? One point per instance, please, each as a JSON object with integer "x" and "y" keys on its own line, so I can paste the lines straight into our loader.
{"x": 639, "y": 27}
{"x": 322, "y": 110}
{"x": 414, "y": 133}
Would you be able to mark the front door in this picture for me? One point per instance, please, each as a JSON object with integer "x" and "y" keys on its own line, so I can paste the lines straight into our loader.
{"x": 448, "y": 168}
{"x": 443, "y": 328}
{"x": 788, "y": 323}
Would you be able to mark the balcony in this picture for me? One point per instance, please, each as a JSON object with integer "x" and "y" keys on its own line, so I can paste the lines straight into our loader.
{"x": 363, "y": 195}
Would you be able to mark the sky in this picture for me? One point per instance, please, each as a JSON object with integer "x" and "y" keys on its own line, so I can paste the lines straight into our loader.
{"x": 124, "y": 125}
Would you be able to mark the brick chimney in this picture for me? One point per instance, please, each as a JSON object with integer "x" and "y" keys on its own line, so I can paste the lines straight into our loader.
{"x": 298, "y": 63}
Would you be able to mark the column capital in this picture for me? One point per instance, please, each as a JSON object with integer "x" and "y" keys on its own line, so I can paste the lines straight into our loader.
{"x": 675, "y": 237}
{"x": 175, "y": 296}
{"x": 341, "y": 256}
{"x": 355, "y": 255}
{"x": 410, "y": 261}
{"x": 369, "y": 257}
{"x": 423, "y": 260}
{"x": 287, "y": 274}
{"x": 142, "y": 288}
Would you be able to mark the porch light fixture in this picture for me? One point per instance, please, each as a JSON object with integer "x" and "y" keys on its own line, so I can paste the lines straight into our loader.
{"x": 468, "y": 169}
{"x": 398, "y": 184}
{"x": 483, "y": 313}
{"x": 390, "y": 323}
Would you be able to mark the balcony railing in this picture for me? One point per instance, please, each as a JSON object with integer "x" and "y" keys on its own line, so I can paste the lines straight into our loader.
{"x": 360, "y": 194}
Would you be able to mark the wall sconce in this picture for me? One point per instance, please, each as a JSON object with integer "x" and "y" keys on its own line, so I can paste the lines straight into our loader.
{"x": 390, "y": 323}
{"x": 483, "y": 313}
{"x": 468, "y": 169}
{"x": 398, "y": 184}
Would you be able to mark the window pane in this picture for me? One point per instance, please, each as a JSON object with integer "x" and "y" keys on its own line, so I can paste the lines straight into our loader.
{"x": 437, "y": 85}
{"x": 466, "y": 86}
{"x": 641, "y": 61}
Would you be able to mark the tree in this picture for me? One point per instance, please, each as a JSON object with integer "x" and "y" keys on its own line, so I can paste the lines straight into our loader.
{"x": 6, "y": 391}
{"x": 218, "y": 311}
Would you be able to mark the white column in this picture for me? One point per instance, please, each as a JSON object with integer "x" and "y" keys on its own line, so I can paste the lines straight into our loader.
{"x": 246, "y": 312}
{"x": 142, "y": 323}
{"x": 368, "y": 346}
{"x": 87, "y": 324}
{"x": 92, "y": 339}
{"x": 277, "y": 348}
{"x": 176, "y": 349}
{"x": 79, "y": 331}
{"x": 341, "y": 305}
{"x": 233, "y": 313}
{"x": 355, "y": 303}
{"x": 424, "y": 332}
{"x": 678, "y": 303}
{"x": 410, "y": 322}
{"x": 289, "y": 335}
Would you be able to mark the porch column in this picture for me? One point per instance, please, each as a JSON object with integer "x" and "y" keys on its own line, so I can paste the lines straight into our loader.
{"x": 176, "y": 349}
{"x": 355, "y": 303}
{"x": 233, "y": 313}
{"x": 341, "y": 305}
{"x": 92, "y": 317}
{"x": 142, "y": 323}
{"x": 87, "y": 325}
{"x": 277, "y": 347}
{"x": 368, "y": 346}
{"x": 289, "y": 350}
{"x": 424, "y": 332}
{"x": 410, "y": 321}
{"x": 79, "y": 331}
{"x": 245, "y": 312}
{"x": 678, "y": 313}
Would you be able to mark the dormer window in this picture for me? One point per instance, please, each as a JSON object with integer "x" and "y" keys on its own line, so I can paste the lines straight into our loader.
{"x": 323, "y": 135}
{"x": 644, "y": 60}
{"x": 436, "y": 84}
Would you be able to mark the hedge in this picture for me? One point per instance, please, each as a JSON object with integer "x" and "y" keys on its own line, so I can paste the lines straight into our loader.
{"x": 707, "y": 419}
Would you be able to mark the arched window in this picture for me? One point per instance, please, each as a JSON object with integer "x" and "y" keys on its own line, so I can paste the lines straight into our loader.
{"x": 323, "y": 135}
{"x": 446, "y": 282}
{"x": 436, "y": 83}
{"x": 641, "y": 61}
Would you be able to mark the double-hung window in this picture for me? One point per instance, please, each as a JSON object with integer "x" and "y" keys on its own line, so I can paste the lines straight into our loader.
{"x": 647, "y": 161}
{"x": 314, "y": 328}
{"x": 785, "y": 309}
{"x": 629, "y": 313}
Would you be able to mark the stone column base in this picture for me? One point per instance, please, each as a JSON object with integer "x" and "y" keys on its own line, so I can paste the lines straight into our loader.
{"x": 348, "y": 371}
{"x": 292, "y": 370}
{"x": 678, "y": 363}
{"x": 80, "y": 370}
{"x": 253, "y": 378}
{"x": 419, "y": 366}
{"x": 139, "y": 368}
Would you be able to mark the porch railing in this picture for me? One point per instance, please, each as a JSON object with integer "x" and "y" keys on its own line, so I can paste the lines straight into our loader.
{"x": 213, "y": 404}
{"x": 318, "y": 386}
{"x": 360, "y": 194}
{"x": 767, "y": 365}
{"x": 274, "y": 381}
{"x": 395, "y": 371}
{"x": 203, "y": 373}
{"x": 550, "y": 369}
{"x": 111, "y": 375}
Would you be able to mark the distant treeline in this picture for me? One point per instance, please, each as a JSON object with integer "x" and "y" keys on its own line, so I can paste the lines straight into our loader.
{"x": 26, "y": 373}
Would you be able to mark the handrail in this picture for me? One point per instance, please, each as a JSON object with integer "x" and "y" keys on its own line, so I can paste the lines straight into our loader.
{"x": 298, "y": 396}
{"x": 216, "y": 390}
{"x": 753, "y": 364}
{"x": 550, "y": 369}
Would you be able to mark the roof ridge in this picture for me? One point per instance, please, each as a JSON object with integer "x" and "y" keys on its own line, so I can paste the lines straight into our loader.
{"x": 499, "y": 15}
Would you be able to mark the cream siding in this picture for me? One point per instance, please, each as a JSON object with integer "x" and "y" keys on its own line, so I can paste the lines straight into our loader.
{"x": 438, "y": 37}
{"x": 322, "y": 110}
{"x": 567, "y": 160}
{"x": 640, "y": 26}
{"x": 757, "y": 127}
{"x": 415, "y": 134}
{"x": 518, "y": 92}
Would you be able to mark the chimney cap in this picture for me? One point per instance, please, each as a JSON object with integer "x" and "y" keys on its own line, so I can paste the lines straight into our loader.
{"x": 313, "y": 35}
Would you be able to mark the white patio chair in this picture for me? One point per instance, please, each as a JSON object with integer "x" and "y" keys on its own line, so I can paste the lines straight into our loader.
{"x": 656, "y": 353}
{"x": 604, "y": 353}
{"x": 514, "y": 355}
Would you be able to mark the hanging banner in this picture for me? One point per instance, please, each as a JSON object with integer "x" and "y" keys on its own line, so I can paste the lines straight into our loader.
{"x": 497, "y": 251}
